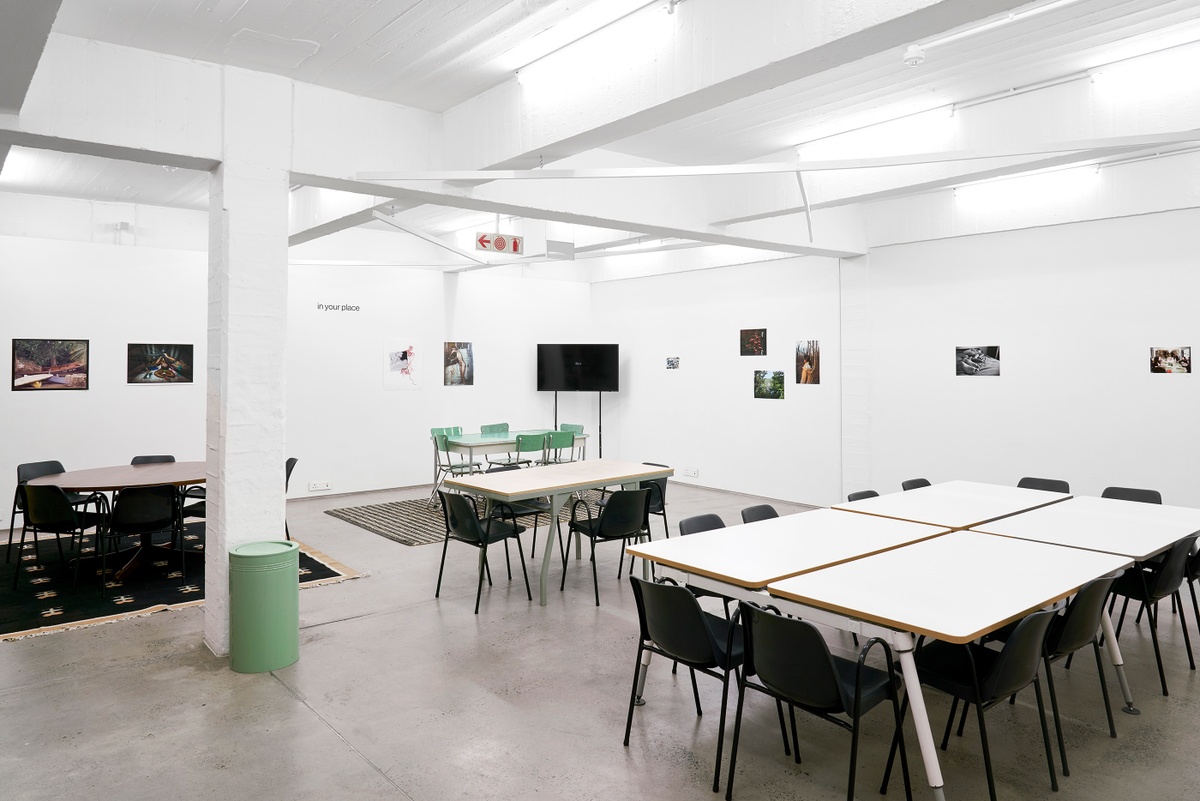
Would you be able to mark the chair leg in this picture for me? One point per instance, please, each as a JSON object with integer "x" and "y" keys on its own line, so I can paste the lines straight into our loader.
{"x": 1152, "y": 614}
{"x": 720, "y": 724}
{"x": 595, "y": 580}
{"x": 12, "y": 522}
{"x": 507, "y": 560}
{"x": 524, "y": 572}
{"x": 1062, "y": 747}
{"x": 438, "y": 592}
{"x": 795, "y": 735}
{"x": 637, "y": 668}
{"x": 1195, "y": 606}
{"x": 737, "y": 731}
{"x": 483, "y": 568}
{"x": 1177, "y": 602}
{"x": 696, "y": 693}
{"x": 21, "y": 547}
{"x": 787, "y": 749}
{"x": 897, "y": 735}
{"x": 949, "y": 723}
{"x": 962, "y": 721}
{"x": 1112, "y": 729}
{"x": 1037, "y": 691}
{"x": 987, "y": 754}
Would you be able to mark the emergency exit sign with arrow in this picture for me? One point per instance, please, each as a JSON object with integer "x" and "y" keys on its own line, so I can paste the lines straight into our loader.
{"x": 500, "y": 243}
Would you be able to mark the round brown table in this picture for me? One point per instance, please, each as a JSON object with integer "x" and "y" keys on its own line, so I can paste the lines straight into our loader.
{"x": 119, "y": 477}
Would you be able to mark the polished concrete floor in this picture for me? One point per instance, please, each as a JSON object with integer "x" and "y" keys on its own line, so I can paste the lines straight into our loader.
{"x": 400, "y": 695}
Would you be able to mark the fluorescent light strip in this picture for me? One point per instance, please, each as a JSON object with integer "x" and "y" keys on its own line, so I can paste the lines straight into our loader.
{"x": 524, "y": 51}
{"x": 996, "y": 23}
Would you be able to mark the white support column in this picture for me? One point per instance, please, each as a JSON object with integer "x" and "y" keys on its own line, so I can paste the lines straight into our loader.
{"x": 247, "y": 325}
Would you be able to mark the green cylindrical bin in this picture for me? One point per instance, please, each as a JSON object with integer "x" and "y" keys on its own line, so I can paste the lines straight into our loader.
{"x": 264, "y": 606}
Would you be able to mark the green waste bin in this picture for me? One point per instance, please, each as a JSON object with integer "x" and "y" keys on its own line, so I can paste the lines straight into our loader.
{"x": 264, "y": 606}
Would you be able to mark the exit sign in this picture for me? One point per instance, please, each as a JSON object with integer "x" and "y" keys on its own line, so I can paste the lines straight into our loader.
{"x": 499, "y": 243}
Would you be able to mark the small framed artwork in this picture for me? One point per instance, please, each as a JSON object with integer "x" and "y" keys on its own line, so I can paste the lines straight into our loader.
{"x": 1171, "y": 360}
{"x": 753, "y": 342}
{"x": 159, "y": 364}
{"x": 49, "y": 364}
{"x": 672, "y": 362}
{"x": 400, "y": 364}
{"x": 977, "y": 361}
{"x": 768, "y": 384}
{"x": 459, "y": 360}
{"x": 808, "y": 361}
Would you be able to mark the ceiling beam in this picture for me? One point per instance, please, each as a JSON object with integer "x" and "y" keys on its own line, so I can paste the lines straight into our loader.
{"x": 58, "y": 144}
{"x": 24, "y": 28}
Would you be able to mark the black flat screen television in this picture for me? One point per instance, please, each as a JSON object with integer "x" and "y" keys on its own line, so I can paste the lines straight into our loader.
{"x": 578, "y": 368}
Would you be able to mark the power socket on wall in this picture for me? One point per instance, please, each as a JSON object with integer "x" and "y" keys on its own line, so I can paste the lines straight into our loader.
{"x": 316, "y": 486}
{"x": 691, "y": 472}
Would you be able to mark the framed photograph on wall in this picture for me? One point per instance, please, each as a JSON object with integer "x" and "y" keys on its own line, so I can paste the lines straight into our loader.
{"x": 159, "y": 364}
{"x": 977, "y": 360}
{"x": 753, "y": 342}
{"x": 768, "y": 384}
{"x": 47, "y": 364}
{"x": 1171, "y": 360}
{"x": 808, "y": 361}
{"x": 459, "y": 360}
{"x": 400, "y": 362}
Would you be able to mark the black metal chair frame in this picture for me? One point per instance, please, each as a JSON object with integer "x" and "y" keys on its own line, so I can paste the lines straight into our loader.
{"x": 855, "y": 712}
{"x": 697, "y": 649}
{"x": 147, "y": 518}
{"x": 605, "y": 529}
{"x": 25, "y": 472}
{"x": 66, "y": 519}
{"x": 479, "y": 534}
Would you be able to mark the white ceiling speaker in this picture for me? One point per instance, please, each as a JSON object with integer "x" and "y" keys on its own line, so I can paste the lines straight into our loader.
{"x": 914, "y": 56}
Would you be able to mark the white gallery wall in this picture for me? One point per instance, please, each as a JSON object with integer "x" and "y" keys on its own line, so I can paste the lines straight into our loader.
{"x": 111, "y": 295}
{"x": 1075, "y": 310}
{"x": 704, "y": 416}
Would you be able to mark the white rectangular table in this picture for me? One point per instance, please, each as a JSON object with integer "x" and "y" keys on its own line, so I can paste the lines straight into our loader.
{"x": 968, "y": 584}
{"x": 556, "y": 482}
{"x": 955, "y": 504}
{"x": 502, "y": 442}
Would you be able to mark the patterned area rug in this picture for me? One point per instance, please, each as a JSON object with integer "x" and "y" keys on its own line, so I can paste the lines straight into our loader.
{"x": 415, "y": 522}
{"x": 45, "y": 600}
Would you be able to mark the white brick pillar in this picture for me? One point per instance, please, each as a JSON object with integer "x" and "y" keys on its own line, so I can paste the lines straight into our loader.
{"x": 247, "y": 325}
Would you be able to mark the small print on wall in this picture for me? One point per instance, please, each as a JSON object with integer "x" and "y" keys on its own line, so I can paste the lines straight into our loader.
{"x": 400, "y": 365}
{"x": 159, "y": 364}
{"x": 977, "y": 361}
{"x": 1171, "y": 360}
{"x": 768, "y": 384}
{"x": 753, "y": 342}
{"x": 808, "y": 361}
{"x": 40, "y": 364}
{"x": 460, "y": 364}
{"x": 672, "y": 362}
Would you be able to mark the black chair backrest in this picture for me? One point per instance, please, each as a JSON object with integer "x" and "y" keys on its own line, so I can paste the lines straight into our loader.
{"x": 1018, "y": 663}
{"x": 914, "y": 483}
{"x": 462, "y": 521}
{"x": 1047, "y": 484}
{"x": 288, "y": 467}
{"x": 858, "y": 496}
{"x": 144, "y": 508}
{"x": 764, "y": 511}
{"x": 161, "y": 458}
{"x": 33, "y": 470}
{"x": 658, "y": 490}
{"x": 1169, "y": 577}
{"x": 1078, "y": 626}
{"x": 625, "y": 514}
{"x": 672, "y": 619}
{"x": 1132, "y": 494}
{"x": 694, "y": 525}
{"x": 48, "y": 507}
{"x": 791, "y": 658}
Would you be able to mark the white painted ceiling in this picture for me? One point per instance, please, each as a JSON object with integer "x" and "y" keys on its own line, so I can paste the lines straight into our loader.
{"x": 434, "y": 54}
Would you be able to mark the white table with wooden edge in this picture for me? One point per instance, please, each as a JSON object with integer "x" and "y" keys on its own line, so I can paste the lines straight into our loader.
{"x": 968, "y": 584}
{"x": 1136, "y": 530}
{"x": 557, "y": 482}
{"x": 955, "y": 504}
{"x": 740, "y": 561}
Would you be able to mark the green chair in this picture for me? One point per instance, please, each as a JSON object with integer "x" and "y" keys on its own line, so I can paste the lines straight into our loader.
{"x": 525, "y": 444}
{"x": 445, "y": 462}
{"x": 497, "y": 428}
{"x": 580, "y": 444}
{"x": 560, "y": 448}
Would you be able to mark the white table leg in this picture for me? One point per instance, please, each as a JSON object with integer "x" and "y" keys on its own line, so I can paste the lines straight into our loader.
{"x": 641, "y": 682}
{"x": 1118, "y": 662}
{"x": 916, "y": 699}
{"x": 556, "y": 502}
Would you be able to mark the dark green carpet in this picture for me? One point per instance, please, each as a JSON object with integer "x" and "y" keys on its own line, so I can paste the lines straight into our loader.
{"x": 45, "y": 599}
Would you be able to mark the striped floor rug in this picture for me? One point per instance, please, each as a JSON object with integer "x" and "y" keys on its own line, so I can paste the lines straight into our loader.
{"x": 413, "y": 522}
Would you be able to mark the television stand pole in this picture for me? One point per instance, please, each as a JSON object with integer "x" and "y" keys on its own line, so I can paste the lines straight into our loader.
{"x": 556, "y": 410}
{"x": 600, "y": 422}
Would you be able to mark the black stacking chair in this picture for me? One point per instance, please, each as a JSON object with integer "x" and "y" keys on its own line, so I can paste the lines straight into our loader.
{"x": 1047, "y": 484}
{"x": 25, "y": 472}
{"x": 752, "y": 514}
{"x": 858, "y": 496}
{"x": 288, "y": 467}
{"x": 463, "y": 524}
{"x": 1150, "y": 582}
{"x": 162, "y": 458}
{"x": 1132, "y": 494}
{"x": 694, "y": 525}
{"x": 143, "y": 512}
{"x": 673, "y": 625}
{"x": 985, "y": 677}
{"x": 535, "y": 507}
{"x": 914, "y": 483}
{"x": 793, "y": 664}
{"x": 625, "y": 516}
{"x": 658, "y": 506}
{"x": 50, "y": 510}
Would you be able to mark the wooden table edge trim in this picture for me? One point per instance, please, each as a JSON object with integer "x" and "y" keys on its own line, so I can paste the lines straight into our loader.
{"x": 52, "y": 480}
{"x": 1130, "y": 557}
{"x": 954, "y": 528}
{"x": 632, "y": 550}
{"x": 563, "y": 489}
